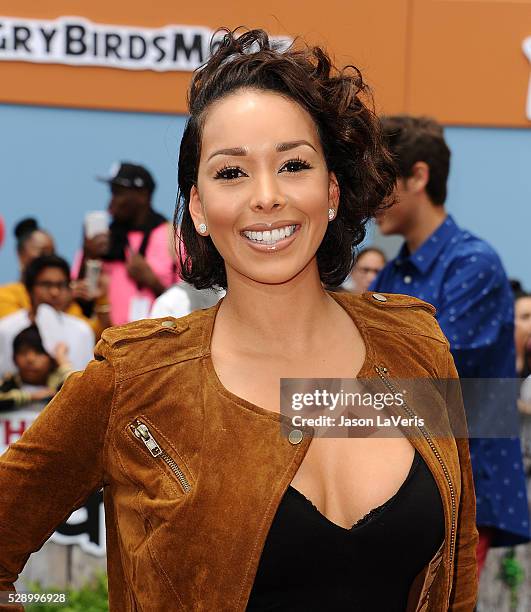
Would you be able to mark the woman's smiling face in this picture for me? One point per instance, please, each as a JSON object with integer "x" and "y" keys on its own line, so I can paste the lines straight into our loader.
{"x": 263, "y": 187}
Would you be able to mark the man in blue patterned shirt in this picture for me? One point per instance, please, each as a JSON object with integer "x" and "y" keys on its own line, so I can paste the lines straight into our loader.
{"x": 463, "y": 277}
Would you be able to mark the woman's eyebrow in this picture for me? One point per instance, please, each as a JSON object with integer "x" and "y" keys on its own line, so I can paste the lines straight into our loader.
{"x": 280, "y": 148}
{"x": 287, "y": 146}
{"x": 238, "y": 151}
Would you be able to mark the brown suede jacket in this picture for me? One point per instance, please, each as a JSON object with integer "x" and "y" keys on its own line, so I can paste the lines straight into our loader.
{"x": 193, "y": 475}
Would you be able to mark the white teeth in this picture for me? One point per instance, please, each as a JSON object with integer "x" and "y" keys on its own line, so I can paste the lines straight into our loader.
{"x": 270, "y": 237}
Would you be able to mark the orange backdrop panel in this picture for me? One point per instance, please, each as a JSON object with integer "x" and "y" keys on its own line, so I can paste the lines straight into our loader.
{"x": 466, "y": 64}
{"x": 368, "y": 33}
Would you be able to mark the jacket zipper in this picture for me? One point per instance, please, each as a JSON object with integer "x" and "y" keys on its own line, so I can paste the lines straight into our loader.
{"x": 141, "y": 431}
{"x": 382, "y": 371}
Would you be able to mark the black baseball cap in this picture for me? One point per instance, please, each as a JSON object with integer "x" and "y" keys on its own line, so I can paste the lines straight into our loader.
{"x": 130, "y": 176}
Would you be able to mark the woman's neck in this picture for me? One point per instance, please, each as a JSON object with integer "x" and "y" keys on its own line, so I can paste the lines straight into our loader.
{"x": 282, "y": 318}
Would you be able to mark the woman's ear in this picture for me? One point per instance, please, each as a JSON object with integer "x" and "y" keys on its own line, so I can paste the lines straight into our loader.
{"x": 196, "y": 209}
{"x": 333, "y": 192}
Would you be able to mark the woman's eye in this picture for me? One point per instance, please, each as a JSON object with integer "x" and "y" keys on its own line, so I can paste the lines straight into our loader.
{"x": 295, "y": 165}
{"x": 229, "y": 173}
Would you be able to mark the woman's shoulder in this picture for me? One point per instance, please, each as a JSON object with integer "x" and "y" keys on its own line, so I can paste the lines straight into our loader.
{"x": 152, "y": 343}
{"x": 392, "y": 312}
{"x": 402, "y": 333}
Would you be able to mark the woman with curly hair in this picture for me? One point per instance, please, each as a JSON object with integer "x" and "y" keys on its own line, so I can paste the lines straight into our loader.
{"x": 209, "y": 504}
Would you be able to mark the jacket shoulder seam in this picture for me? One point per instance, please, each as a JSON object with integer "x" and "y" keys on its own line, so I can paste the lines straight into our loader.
{"x": 128, "y": 375}
{"x": 154, "y": 327}
{"x": 408, "y": 331}
{"x": 397, "y": 300}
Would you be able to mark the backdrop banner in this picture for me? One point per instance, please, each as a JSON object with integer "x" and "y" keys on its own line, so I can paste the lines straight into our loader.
{"x": 77, "y": 41}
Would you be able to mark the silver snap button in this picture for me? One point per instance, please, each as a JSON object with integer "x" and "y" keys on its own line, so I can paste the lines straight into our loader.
{"x": 168, "y": 324}
{"x": 295, "y": 436}
{"x": 407, "y": 279}
{"x": 379, "y": 297}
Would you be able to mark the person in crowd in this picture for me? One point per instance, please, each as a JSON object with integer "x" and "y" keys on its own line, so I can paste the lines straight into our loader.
{"x": 47, "y": 281}
{"x": 32, "y": 242}
{"x": 368, "y": 263}
{"x": 38, "y": 375}
{"x": 210, "y": 504}
{"x": 522, "y": 331}
{"x": 182, "y": 299}
{"x": 138, "y": 251}
{"x": 462, "y": 276}
{"x": 92, "y": 301}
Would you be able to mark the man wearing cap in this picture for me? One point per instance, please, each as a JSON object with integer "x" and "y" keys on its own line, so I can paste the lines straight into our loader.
{"x": 138, "y": 250}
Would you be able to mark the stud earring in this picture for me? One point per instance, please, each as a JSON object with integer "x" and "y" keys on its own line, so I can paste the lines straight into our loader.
{"x": 202, "y": 228}
{"x": 331, "y": 214}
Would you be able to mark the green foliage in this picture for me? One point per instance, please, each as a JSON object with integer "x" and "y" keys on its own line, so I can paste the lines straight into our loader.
{"x": 512, "y": 573}
{"x": 91, "y": 597}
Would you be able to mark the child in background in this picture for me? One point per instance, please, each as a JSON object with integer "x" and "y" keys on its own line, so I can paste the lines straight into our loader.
{"x": 39, "y": 376}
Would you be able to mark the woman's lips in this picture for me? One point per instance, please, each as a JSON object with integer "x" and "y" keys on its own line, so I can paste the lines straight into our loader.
{"x": 262, "y": 227}
{"x": 267, "y": 246}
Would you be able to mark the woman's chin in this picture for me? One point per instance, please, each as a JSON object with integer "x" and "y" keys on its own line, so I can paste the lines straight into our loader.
{"x": 274, "y": 277}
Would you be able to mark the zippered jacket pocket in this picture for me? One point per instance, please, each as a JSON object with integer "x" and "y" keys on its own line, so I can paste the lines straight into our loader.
{"x": 150, "y": 441}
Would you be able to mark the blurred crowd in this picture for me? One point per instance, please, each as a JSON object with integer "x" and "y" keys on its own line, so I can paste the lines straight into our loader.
{"x": 127, "y": 269}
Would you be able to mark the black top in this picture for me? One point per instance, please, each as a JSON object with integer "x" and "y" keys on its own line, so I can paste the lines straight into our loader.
{"x": 310, "y": 564}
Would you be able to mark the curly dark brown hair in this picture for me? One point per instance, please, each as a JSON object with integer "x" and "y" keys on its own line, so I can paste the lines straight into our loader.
{"x": 340, "y": 104}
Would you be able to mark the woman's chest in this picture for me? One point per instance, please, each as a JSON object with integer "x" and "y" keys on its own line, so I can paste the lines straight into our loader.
{"x": 258, "y": 378}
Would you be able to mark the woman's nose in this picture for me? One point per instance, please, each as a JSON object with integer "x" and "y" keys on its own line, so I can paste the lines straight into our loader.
{"x": 267, "y": 196}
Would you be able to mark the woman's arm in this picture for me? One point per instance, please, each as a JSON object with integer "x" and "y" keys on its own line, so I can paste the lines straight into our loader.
{"x": 465, "y": 583}
{"x": 55, "y": 465}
